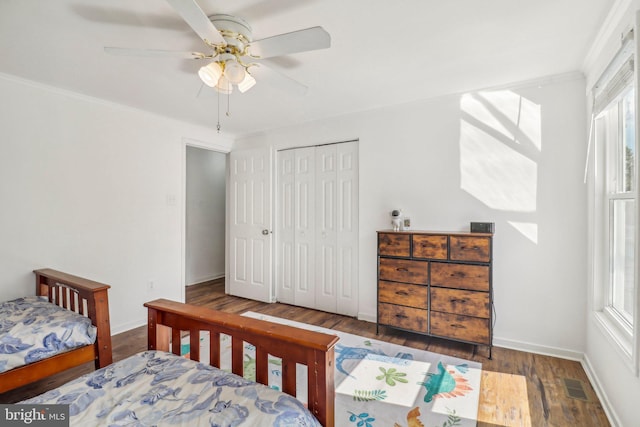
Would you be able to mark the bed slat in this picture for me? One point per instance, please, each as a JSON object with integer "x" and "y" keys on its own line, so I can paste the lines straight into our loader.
{"x": 262, "y": 362}
{"x": 214, "y": 349}
{"x": 237, "y": 356}
{"x": 65, "y": 293}
{"x": 72, "y": 305}
{"x": 175, "y": 342}
{"x": 194, "y": 345}
{"x": 289, "y": 379}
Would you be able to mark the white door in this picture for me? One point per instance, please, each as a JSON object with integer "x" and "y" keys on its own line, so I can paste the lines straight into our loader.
{"x": 285, "y": 228}
{"x": 347, "y": 229}
{"x": 326, "y": 164}
{"x": 295, "y": 227}
{"x": 250, "y": 229}
{"x": 304, "y": 227}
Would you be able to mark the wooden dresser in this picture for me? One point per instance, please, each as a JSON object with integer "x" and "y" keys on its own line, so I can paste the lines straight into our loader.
{"x": 437, "y": 284}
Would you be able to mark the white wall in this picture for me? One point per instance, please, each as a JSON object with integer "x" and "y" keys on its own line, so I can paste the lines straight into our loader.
{"x": 93, "y": 189}
{"x": 205, "y": 215}
{"x": 617, "y": 382}
{"x": 514, "y": 157}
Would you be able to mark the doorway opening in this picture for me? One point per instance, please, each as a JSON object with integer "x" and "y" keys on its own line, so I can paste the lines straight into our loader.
{"x": 205, "y": 215}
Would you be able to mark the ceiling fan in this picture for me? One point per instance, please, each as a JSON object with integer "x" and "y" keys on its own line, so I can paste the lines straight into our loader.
{"x": 233, "y": 52}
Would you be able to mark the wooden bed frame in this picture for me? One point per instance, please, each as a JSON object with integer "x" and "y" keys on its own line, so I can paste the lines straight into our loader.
{"x": 76, "y": 294}
{"x": 168, "y": 319}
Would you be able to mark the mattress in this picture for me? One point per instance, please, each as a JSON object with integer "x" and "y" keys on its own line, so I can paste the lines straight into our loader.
{"x": 158, "y": 388}
{"x": 32, "y": 328}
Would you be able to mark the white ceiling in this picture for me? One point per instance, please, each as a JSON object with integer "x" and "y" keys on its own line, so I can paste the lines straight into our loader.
{"x": 382, "y": 53}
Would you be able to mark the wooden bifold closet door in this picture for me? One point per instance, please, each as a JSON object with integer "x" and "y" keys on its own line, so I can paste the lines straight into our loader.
{"x": 317, "y": 227}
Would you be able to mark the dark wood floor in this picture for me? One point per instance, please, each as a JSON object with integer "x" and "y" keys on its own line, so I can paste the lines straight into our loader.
{"x": 518, "y": 388}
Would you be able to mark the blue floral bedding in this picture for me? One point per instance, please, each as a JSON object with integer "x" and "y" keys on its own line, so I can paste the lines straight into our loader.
{"x": 158, "y": 388}
{"x": 31, "y": 328}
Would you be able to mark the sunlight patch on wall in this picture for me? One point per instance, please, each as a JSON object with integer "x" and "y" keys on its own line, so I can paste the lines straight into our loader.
{"x": 494, "y": 173}
{"x": 528, "y": 229}
{"x": 518, "y": 117}
{"x": 500, "y": 138}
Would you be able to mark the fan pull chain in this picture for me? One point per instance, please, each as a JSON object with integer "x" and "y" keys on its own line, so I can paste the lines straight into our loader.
{"x": 229, "y": 101}
{"x": 218, "y": 97}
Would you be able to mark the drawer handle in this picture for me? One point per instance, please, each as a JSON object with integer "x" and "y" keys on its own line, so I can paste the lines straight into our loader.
{"x": 401, "y": 316}
{"x": 403, "y": 293}
{"x": 401, "y": 269}
{"x": 456, "y": 300}
{"x": 456, "y": 326}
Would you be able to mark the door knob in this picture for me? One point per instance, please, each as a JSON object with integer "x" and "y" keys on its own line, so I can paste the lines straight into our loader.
{"x": 265, "y": 232}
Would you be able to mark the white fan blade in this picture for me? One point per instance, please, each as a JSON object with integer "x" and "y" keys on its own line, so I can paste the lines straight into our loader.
{"x": 197, "y": 20}
{"x": 156, "y": 53}
{"x": 269, "y": 76}
{"x": 296, "y": 41}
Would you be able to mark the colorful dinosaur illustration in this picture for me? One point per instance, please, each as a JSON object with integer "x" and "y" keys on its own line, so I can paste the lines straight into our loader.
{"x": 357, "y": 353}
{"x": 446, "y": 384}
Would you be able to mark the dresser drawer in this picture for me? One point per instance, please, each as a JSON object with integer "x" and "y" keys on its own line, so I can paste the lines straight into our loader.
{"x": 457, "y": 301}
{"x": 413, "y": 319}
{"x": 403, "y": 270}
{"x": 459, "y": 327}
{"x": 430, "y": 246}
{"x": 466, "y": 248}
{"x": 394, "y": 244}
{"x": 462, "y": 276}
{"x": 403, "y": 294}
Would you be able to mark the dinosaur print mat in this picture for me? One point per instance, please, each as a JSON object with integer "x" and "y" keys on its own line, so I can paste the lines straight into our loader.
{"x": 379, "y": 384}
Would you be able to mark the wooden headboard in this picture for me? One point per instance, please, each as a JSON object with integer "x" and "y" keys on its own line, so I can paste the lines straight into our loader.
{"x": 168, "y": 319}
{"x": 82, "y": 296}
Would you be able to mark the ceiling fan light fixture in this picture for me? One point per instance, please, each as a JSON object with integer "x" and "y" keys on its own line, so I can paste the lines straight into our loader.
{"x": 224, "y": 86}
{"x": 247, "y": 83}
{"x": 234, "y": 72}
{"x": 210, "y": 74}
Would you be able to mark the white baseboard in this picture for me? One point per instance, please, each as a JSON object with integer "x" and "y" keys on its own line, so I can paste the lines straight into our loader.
{"x": 367, "y": 317}
{"x": 206, "y": 279}
{"x": 539, "y": 349}
{"x": 604, "y": 400}
{"x": 124, "y": 327}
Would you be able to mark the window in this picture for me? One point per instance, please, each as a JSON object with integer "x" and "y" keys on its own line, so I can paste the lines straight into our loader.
{"x": 615, "y": 133}
{"x": 616, "y": 206}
